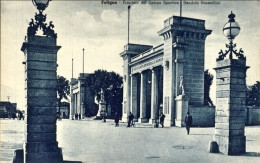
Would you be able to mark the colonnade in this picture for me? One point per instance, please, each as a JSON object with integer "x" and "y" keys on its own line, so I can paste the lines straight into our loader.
{"x": 78, "y": 96}
{"x": 75, "y": 104}
{"x": 143, "y": 108}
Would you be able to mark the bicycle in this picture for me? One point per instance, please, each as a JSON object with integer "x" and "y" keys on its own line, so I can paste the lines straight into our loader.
{"x": 132, "y": 123}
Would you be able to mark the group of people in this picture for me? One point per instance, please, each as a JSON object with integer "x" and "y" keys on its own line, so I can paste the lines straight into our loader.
{"x": 77, "y": 116}
{"x": 131, "y": 120}
{"x": 188, "y": 120}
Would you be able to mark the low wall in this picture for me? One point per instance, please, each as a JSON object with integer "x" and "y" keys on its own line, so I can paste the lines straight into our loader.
{"x": 203, "y": 116}
{"x": 252, "y": 115}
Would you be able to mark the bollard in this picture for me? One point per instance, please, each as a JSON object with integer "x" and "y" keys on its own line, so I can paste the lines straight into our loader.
{"x": 213, "y": 147}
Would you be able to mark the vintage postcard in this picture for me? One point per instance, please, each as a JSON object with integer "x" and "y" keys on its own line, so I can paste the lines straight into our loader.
{"x": 130, "y": 81}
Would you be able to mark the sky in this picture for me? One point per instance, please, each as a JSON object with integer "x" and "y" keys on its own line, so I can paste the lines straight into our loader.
{"x": 101, "y": 29}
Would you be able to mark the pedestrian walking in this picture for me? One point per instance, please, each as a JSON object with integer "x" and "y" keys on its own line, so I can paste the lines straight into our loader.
{"x": 130, "y": 119}
{"x": 162, "y": 116}
{"x": 117, "y": 119}
{"x": 188, "y": 121}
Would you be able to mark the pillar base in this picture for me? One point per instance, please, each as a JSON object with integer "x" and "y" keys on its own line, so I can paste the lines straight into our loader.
{"x": 168, "y": 123}
{"x": 179, "y": 123}
{"x": 98, "y": 118}
{"x": 18, "y": 156}
{"x": 124, "y": 119}
{"x": 181, "y": 106}
{"x": 46, "y": 157}
{"x": 142, "y": 120}
{"x": 213, "y": 147}
{"x": 71, "y": 117}
{"x": 151, "y": 121}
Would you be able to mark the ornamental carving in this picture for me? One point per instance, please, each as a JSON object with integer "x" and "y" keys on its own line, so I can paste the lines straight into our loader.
{"x": 231, "y": 49}
{"x": 39, "y": 22}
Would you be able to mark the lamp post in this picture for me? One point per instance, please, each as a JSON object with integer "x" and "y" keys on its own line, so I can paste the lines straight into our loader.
{"x": 231, "y": 29}
{"x": 40, "y": 52}
{"x": 229, "y": 137}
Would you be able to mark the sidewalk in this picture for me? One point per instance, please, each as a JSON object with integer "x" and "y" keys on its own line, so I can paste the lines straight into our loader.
{"x": 94, "y": 141}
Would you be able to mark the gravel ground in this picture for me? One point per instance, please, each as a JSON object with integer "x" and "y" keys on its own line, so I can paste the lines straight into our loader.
{"x": 93, "y": 141}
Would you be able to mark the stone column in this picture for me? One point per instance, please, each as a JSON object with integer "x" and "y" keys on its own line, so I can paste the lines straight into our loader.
{"x": 134, "y": 96}
{"x": 78, "y": 103}
{"x": 72, "y": 112}
{"x": 154, "y": 96}
{"x": 230, "y": 106}
{"x": 126, "y": 97}
{"x": 41, "y": 100}
{"x": 143, "y": 98}
{"x": 82, "y": 92}
{"x": 75, "y": 103}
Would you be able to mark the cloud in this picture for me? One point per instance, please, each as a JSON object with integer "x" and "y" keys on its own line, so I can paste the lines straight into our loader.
{"x": 102, "y": 31}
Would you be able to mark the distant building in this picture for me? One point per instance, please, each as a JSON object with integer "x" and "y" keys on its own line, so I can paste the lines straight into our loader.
{"x": 64, "y": 110}
{"x": 258, "y": 87}
{"x": 81, "y": 97}
{"x": 155, "y": 75}
{"x": 7, "y": 109}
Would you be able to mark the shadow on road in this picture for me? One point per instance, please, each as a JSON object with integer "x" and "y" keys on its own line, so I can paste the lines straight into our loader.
{"x": 200, "y": 134}
{"x": 251, "y": 154}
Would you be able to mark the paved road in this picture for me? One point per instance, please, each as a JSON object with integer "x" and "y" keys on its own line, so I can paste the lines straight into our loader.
{"x": 95, "y": 142}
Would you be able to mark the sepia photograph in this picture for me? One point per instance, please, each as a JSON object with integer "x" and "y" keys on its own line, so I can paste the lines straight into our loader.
{"x": 130, "y": 81}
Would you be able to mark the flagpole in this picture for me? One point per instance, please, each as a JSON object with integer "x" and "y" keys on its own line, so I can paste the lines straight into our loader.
{"x": 180, "y": 11}
{"x": 83, "y": 62}
{"x": 180, "y": 8}
{"x": 128, "y": 24}
{"x": 72, "y": 69}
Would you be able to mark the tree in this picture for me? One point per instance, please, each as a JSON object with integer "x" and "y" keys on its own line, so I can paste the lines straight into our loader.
{"x": 112, "y": 85}
{"x": 114, "y": 94}
{"x": 63, "y": 89}
{"x": 252, "y": 95}
{"x": 208, "y": 78}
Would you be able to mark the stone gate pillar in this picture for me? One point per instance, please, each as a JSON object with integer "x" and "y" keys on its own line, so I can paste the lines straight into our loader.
{"x": 230, "y": 106}
{"x": 183, "y": 43}
{"x": 229, "y": 135}
{"x": 41, "y": 97}
{"x": 40, "y": 54}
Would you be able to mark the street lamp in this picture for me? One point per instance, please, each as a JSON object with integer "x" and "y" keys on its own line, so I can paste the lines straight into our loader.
{"x": 231, "y": 29}
{"x": 41, "y": 4}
